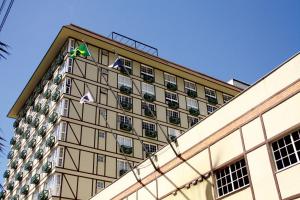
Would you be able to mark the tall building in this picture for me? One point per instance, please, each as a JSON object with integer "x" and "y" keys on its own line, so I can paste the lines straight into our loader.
{"x": 247, "y": 150}
{"x": 62, "y": 149}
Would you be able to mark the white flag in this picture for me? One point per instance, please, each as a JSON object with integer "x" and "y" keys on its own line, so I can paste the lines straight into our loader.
{"x": 87, "y": 98}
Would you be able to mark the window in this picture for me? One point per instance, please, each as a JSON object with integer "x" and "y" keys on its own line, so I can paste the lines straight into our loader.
{"x": 172, "y": 113}
{"x": 191, "y": 103}
{"x": 123, "y": 165}
{"x": 104, "y": 76}
{"x": 147, "y": 88}
{"x": 171, "y": 97}
{"x": 59, "y": 156}
{"x": 189, "y": 86}
{"x": 150, "y": 148}
{"x": 210, "y": 93}
{"x": 148, "y": 71}
{"x": 211, "y": 109}
{"x": 126, "y": 63}
{"x": 148, "y": 105}
{"x": 286, "y": 151}
{"x": 124, "y": 141}
{"x": 125, "y": 99}
{"x": 100, "y": 185}
{"x": 103, "y": 113}
{"x": 149, "y": 126}
{"x": 170, "y": 79}
{"x": 68, "y": 83}
{"x": 124, "y": 119}
{"x": 124, "y": 80}
{"x": 104, "y": 57}
{"x": 68, "y": 65}
{"x": 173, "y": 132}
{"x": 232, "y": 178}
{"x": 192, "y": 121}
{"x": 64, "y": 107}
{"x": 100, "y": 158}
{"x": 226, "y": 98}
{"x": 53, "y": 184}
{"x": 71, "y": 45}
{"x": 61, "y": 131}
{"x": 101, "y": 135}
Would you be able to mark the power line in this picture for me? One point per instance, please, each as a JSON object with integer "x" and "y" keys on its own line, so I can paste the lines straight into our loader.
{"x": 2, "y": 6}
{"x": 6, "y": 14}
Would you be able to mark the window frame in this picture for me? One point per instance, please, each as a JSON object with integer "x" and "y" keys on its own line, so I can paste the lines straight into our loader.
{"x": 214, "y": 108}
{"x": 210, "y": 90}
{"x": 167, "y": 99}
{"x": 226, "y": 95}
{"x": 146, "y": 73}
{"x": 124, "y": 79}
{"x": 166, "y": 81}
{"x": 186, "y": 88}
{"x": 147, "y": 86}
{"x": 191, "y": 106}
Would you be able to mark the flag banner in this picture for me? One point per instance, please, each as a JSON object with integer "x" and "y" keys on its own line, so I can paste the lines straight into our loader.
{"x": 81, "y": 50}
{"x": 87, "y": 98}
{"x": 116, "y": 64}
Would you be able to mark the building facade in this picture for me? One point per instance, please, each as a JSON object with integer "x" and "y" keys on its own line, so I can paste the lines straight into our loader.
{"x": 248, "y": 149}
{"x": 62, "y": 149}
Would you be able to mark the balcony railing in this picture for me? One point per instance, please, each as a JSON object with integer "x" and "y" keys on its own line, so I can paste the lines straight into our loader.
{"x": 125, "y": 126}
{"x": 126, "y": 149}
{"x": 126, "y": 105}
{"x": 194, "y": 111}
{"x": 28, "y": 166}
{"x": 50, "y": 141}
{"x": 122, "y": 172}
{"x": 45, "y": 110}
{"x": 55, "y": 96}
{"x": 149, "y": 97}
{"x": 171, "y": 86}
{"x": 57, "y": 79}
{"x": 174, "y": 120}
{"x": 192, "y": 93}
{"x": 42, "y": 131}
{"x": 47, "y": 167}
{"x": 39, "y": 154}
{"x": 148, "y": 79}
{"x": 151, "y": 133}
{"x": 53, "y": 118}
{"x": 35, "y": 179}
{"x": 149, "y": 113}
{"x": 32, "y": 143}
{"x": 13, "y": 141}
{"x": 24, "y": 190}
{"x": 125, "y": 90}
{"x": 19, "y": 176}
{"x": 173, "y": 104}
{"x": 37, "y": 107}
{"x": 23, "y": 154}
{"x": 212, "y": 100}
{"x": 10, "y": 186}
{"x": 44, "y": 195}
{"x": 47, "y": 94}
{"x": 6, "y": 174}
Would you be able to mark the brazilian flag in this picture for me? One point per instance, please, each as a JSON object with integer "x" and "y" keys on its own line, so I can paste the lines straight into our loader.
{"x": 81, "y": 50}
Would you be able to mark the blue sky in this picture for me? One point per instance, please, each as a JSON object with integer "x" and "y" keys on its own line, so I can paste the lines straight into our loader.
{"x": 224, "y": 39}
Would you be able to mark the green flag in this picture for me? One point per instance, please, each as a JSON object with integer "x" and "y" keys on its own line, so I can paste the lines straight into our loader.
{"x": 81, "y": 50}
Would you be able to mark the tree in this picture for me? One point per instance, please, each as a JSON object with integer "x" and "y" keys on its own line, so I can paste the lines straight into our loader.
{"x": 3, "y": 50}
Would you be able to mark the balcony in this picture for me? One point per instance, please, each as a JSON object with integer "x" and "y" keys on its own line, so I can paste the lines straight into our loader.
{"x": 172, "y": 138}
{"x": 57, "y": 79}
{"x": 44, "y": 195}
{"x": 194, "y": 111}
{"x": 16, "y": 123}
{"x": 24, "y": 190}
{"x": 47, "y": 94}
{"x": 17, "y": 146}
{"x": 171, "y": 86}
{"x": 37, "y": 107}
{"x": 192, "y": 93}
{"x": 174, "y": 120}
{"x": 125, "y": 126}
{"x": 212, "y": 100}
{"x": 28, "y": 166}
{"x": 148, "y": 79}
{"x": 38, "y": 89}
{"x": 53, "y": 118}
{"x": 6, "y": 174}
{"x": 151, "y": 133}
{"x": 35, "y": 123}
{"x": 19, "y": 176}
{"x": 45, "y": 110}
{"x": 32, "y": 143}
{"x": 122, "y": 172}
{"x": 19, "y": 131}
{"x": 10, "y": 155}
{"x": 50, "y": 141}
{"x": 47, "y": 167}
{"x": 23, "y": 154}
{"x": 26, "y": 134}
{"x": 2, "y": 194}
{"x": 149, "y": 97}
{"x": 35, "y": 179}
{"x": 125, "y": 90}
{"x": 42, "y": 131}
{"x": 126, "y": 149}
{"x": 124, "y": 70}
{"x": 13, "y": 141}
{"x": 173, "y": 104}
{"x": 126, "y": 105}
{"x": 55, "y": 96}
{"x": 28, "y": 119}
{"x": 149, "y": 113}
{"x": 10, "y": 186}
{"x": 39, "y": 154}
